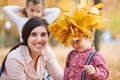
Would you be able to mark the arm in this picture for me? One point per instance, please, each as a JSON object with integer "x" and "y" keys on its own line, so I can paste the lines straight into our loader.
{"x": 12, "y": 13}
{"x": 52, "y": 65}
{"x": 51, "y": 14}
{"x": 16, "y": 72}
{"x": 100, "y": 67}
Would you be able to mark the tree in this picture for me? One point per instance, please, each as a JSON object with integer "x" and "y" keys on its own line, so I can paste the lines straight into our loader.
{"x": 97, "y": 33}
{"x": 2, "y": 21}
{"x": 4, "y": 33}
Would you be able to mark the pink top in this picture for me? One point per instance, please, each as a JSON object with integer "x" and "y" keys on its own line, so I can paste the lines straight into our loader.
{"x": 77, "y": 60}
{"x": 19, "y": 66}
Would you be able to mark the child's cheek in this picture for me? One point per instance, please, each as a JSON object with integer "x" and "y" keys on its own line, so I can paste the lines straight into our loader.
{"x": 75, "y": 45}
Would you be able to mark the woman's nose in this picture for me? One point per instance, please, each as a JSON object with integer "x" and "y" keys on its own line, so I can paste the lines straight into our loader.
{"x": 39, "y": 38}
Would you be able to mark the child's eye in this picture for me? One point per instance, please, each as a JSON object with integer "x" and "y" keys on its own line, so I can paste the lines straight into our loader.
{"x": 85, "y": 36}
{"x": 32, "y": 10}
{"x": 43, "y": 34}
{"x": 77, "y": 40}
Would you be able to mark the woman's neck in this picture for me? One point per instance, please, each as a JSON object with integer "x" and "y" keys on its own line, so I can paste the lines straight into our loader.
{"x": 35, "y": 55}
{"x": 35, "y": 58}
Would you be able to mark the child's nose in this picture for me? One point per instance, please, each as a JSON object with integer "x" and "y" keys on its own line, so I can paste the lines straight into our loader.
{"x": 76, "y": 39}
{"x": 35, "y": 14}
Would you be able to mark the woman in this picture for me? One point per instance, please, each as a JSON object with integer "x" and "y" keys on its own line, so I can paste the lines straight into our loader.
{"x": 32, "y": 8}
{"x": 30, "y": 58}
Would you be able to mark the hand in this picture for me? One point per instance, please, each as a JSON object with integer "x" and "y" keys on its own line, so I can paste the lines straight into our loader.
{"x": 22, "y": 9}
{"x": 89, "y": 69}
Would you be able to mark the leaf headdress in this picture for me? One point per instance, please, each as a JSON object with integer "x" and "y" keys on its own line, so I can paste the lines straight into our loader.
{"x": 77, "y": 22}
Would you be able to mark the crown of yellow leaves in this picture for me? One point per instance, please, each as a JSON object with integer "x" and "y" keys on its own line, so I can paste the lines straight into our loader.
{"x": 77, "y": 22}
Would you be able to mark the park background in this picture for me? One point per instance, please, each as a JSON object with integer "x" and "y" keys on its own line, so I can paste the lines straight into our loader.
{"x": 109, "y": 36}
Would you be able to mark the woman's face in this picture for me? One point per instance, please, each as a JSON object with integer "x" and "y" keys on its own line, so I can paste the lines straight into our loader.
{"x": 34, "y": 10}
{"x": 81, "y": 45}
{"x": 37, "y": 40}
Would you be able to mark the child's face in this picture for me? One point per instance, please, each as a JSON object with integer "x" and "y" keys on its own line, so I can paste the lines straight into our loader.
{"x": 34, "y": 10}
{"x": 81, "y": 45}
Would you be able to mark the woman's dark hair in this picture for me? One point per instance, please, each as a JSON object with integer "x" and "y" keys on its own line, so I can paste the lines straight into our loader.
{"x": 34, "y": 2}
{"x": 27, "y": 28}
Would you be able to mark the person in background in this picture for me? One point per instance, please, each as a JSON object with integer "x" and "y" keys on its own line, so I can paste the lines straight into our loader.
{"x": 33, "y": 8}
{"x": 30, "y": 59}
{"x": 77, "y": 28}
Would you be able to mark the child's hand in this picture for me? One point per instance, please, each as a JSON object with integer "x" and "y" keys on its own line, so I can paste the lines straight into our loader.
{"x": 89, "y": 69}
{"x": 22, "y": 10}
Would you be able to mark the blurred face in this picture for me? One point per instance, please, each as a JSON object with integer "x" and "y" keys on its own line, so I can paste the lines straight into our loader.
{"x": 37, "y": 40}
{"x": 81, "y": 45}
{"x": 34, "y": 10}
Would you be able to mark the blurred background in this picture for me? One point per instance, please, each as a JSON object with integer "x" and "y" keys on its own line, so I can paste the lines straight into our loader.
{"x": 107, "y": 41}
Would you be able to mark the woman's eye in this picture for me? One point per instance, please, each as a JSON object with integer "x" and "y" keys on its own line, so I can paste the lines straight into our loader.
{"x": 33, "y": 34}
{"x": 43, "y": 34}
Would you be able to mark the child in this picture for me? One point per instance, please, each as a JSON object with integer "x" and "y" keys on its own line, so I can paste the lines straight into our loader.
{"x": 96, "y": 70}
{"x": 77, "y": 28}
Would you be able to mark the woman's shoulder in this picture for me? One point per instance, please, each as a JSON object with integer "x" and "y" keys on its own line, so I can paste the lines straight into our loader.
{"x": 16, "y": 54}
{"x": 48, "y": 53}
